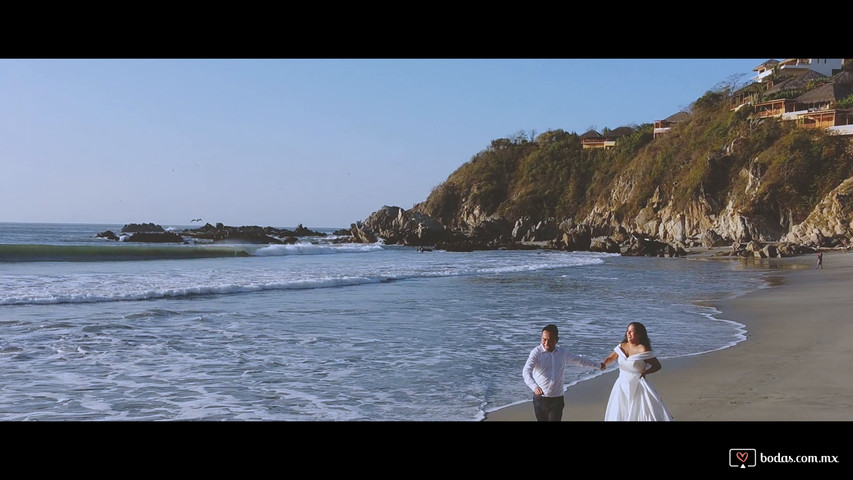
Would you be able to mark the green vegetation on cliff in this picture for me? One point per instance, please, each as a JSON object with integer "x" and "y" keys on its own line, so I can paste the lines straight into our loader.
{"x": 763, "y": 166}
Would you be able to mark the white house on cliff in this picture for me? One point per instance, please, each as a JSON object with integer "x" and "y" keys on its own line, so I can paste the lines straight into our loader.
{"x": 827, "y": 66}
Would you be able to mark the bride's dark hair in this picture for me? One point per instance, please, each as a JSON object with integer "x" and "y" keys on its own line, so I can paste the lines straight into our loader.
{"x": 641, "y": 333}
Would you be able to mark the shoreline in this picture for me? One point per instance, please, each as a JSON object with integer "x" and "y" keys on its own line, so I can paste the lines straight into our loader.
{"x": 791, "y": 367}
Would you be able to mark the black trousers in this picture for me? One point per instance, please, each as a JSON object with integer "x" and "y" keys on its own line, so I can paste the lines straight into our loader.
{"x": 548, "y": 409}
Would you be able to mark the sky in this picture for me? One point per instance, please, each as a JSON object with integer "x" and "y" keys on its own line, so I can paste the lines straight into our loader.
{"x": 285, "y": 141}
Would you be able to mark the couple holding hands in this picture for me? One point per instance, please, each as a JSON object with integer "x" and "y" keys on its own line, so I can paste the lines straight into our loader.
{"x": 632, "y": 398}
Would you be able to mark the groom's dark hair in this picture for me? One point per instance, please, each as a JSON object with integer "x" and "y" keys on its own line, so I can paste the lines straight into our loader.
{"x": 552, "y": 329}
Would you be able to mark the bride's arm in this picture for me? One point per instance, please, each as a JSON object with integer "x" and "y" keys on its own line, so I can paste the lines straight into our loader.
{"x": 653, "y": 366}
{"x": 610, "y": 358}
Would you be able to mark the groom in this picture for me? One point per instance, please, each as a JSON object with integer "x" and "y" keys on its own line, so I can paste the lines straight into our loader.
{"x": 543, "y": 373}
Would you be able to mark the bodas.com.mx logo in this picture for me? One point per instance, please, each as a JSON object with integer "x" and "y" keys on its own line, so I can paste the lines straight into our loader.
{"x": 742, "y": 457}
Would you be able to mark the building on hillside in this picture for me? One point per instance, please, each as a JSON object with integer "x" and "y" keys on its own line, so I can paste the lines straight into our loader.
{"x": 665, "y": 125}
{"x": 789, "y": 88}
{"x": 826, "y": 66}
{"x": 746, "y": 96}
{"x": 842, "y": 78}
{"x": 611, "y": 137}
{"x": 819, "y": 109}
{"x": 593, "y": 139}
{"x": 815, "y": 107}
{"x": 779, "y": 107}
{"x": 764, "y": 70}
{"x": 795, "y": 86}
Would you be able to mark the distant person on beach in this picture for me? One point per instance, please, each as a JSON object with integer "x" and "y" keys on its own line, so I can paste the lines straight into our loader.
{"x": 633, "y": 398}
{"x": 543, "y": 373}
{"x": 819, "y": 260}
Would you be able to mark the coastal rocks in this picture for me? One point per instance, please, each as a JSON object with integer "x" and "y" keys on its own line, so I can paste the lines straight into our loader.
{"x": 659, "y": 229}
{"x": 362, "y": 233}
{"x": 830, "y": 220}
{"x": 700, "y": 221}
{"x": 710, "y": 238}
{"x": 641, "y": 246}
{"x": 755, "y": 249}
{"x": 737, "y": 220}
{"x": 605, "y": 245}
{"x": 494, "y": 231}
{"x": 155, "y": 237}
{"x": 142, "y": 232}
{"x": 788, "y": 249}
{"x": 223, "y": 234}
{"x": 108, "y": 234}
{"x": 520, "y": 227}
{"x": 398, "y": 226}
{"x": 151, "y": 233}
{"x": 541, "y": 231}
{"x": 577, "y": 239}
{"x": 394, "y": 226}
{"x": 250, "y": 234}
{"x": 142, "y": 228}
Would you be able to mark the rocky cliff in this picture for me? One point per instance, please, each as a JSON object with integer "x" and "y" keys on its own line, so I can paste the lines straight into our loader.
{"x": 723, "y": 177}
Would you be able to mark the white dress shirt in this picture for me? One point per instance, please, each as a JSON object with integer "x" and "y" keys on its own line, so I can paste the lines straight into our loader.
{"x": 545, "y": 369}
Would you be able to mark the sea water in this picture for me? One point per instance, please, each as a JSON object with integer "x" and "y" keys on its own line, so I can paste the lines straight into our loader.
{"x": 93, "y": 329}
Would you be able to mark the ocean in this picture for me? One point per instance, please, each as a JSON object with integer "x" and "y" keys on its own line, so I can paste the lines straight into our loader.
{"x": 319, "y": 331}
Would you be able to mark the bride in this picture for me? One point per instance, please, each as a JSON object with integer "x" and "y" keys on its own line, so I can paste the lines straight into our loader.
{"x": 633, "y": 398}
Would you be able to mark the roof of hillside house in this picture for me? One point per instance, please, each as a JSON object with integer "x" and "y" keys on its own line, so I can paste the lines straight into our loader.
{"x": 620, "y": 132}
{"x": 796, "y": 83}
{"x": 768, "y": 64}
{"x": 591, "y": 134}
{"x": 677, "y": 117}
{"x": 828, "y": 93}
{"x": 842, "y": 78}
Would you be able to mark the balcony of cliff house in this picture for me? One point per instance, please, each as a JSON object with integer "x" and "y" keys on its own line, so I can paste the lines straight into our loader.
{"x": 599, "y": 142}
{"x": 603, "y": 142}
{"x": 775, "y": 108}
{"x": 828, "y": 118}
{"x": 593, "y": 139}
{"x": 662, "y": 127}
{"x": 746, "y": 96}
{"x": 740, "y": 99}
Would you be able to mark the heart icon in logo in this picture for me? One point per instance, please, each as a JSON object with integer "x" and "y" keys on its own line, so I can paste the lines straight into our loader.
{"x": 742, "y": 456}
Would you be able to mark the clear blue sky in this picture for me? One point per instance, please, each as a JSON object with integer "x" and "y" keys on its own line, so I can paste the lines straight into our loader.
{"x": 279, "y": 142}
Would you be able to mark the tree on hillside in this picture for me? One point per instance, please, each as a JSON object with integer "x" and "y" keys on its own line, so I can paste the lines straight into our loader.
{"x": 732, "y": 83}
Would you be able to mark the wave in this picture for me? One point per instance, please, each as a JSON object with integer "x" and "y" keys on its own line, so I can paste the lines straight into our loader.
{"x": 123, "y": 252}
{"x": 171, "y": 284}
{"x": 316, "y": 249}
{"x": 186, "y": 292}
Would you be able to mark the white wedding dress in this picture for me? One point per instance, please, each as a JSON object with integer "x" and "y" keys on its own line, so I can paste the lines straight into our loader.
{"x": 633, "y": 398}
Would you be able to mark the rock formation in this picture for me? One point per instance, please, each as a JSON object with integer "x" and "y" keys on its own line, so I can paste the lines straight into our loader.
{"x": 152, "y": 233}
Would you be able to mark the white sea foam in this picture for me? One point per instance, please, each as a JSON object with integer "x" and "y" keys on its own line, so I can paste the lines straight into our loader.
{"x": 307, "y": 248}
